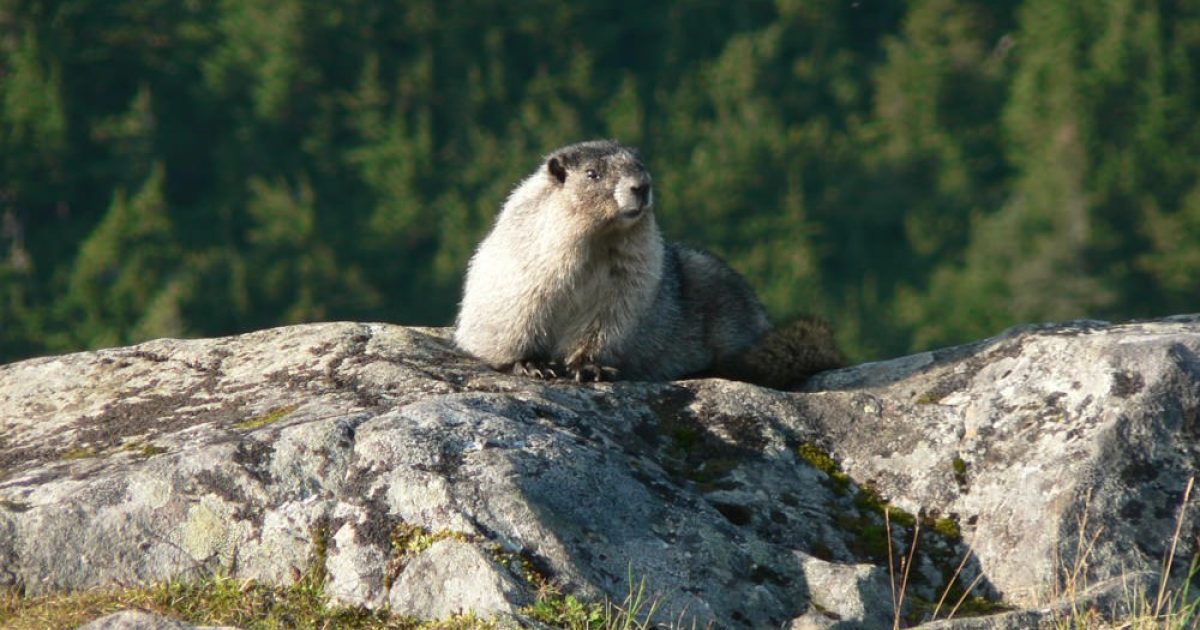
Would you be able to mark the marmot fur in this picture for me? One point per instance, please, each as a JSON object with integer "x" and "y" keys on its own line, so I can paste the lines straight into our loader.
{"x": 575, "y": 279}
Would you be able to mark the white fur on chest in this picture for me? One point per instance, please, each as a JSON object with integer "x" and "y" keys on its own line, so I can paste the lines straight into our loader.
{"x": 616, "y": 281}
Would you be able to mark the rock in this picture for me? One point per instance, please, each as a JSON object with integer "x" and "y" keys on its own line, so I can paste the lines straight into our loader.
{"x": 1058, "y": 448}
{"x": 454, "y": 577}
{"x": 138, "y": 620}
{"x": 423, "y": 481}
{"x": 839, "y": 592}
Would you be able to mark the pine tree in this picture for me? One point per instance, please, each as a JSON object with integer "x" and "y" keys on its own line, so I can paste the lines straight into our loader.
{"x": 125, "y": 265}
{"x": 1175, "y": 257}
{"x": 298, "y": 277}
{"x": 923, "y": 172}
{"x": 32, "y": 119}
{"x": 1028, "y": 260}
{"x": 20, "y": 322}
{"x": 32, "y": 137}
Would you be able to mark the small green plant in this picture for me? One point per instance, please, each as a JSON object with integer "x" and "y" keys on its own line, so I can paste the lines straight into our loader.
{"x": 823, "y": 462}
{"x": 271, "y": 416}
{"x": 947, "y": 527}
{"x": 409, "y": 540}
{"x": 145, "y": 449}
{"x": 80, "y": 452}
{"x": 635, "y": 612}
{"x": 960, "y": 471}
{"x": 928, "y": 398}
{"x": 565, "y": 611}
{"x": 868, "y": 499}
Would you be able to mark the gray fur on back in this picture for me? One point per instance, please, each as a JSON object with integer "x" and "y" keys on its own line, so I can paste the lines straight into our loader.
{"x": 703, "y": 315}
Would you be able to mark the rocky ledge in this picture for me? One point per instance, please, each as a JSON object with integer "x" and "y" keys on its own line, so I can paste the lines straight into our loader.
{"x": 1027, "y": 467}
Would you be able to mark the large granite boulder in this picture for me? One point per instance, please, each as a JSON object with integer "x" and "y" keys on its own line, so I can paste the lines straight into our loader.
{"x": 1040, "y": 461}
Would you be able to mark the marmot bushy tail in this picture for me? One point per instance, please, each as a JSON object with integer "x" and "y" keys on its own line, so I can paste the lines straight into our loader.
{"x": 786, "y": 355}
{"x": 575, "y": 279}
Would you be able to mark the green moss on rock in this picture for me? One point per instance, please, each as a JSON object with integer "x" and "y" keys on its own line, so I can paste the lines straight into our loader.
{"x": 409, "y": 540}
{"x": 270, "y": 417}
{"x": 80, "y": 452}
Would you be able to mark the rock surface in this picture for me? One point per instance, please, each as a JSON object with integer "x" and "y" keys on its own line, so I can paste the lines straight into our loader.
{"x": 425, "y": 482}
{"x": 1054, "y": 446}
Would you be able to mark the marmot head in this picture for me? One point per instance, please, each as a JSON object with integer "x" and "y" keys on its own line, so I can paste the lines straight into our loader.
{"x": 605, "y": 180}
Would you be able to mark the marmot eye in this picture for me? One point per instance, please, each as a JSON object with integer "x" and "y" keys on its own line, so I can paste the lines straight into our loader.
{"x": 592, "y": 174}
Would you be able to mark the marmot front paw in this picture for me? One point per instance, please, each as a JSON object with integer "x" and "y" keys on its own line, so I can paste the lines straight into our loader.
{"x": 537, "y": 369}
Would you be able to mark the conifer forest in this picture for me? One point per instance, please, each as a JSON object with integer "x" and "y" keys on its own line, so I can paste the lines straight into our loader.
{"x": 919, "y": 172}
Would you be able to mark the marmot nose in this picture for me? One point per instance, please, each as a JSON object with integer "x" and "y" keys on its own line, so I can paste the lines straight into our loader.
{"x": 642, "y": 193}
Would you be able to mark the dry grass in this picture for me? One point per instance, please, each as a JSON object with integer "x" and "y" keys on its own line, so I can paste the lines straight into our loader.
{"x": 212, "y": 601}
{"x": 899, "y": 589}
{"x": 1174, "y": 606}
{"x": 246, "y": 604}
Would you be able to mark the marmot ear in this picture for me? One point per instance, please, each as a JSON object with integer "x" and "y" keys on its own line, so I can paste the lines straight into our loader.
{"x": 557, "y": 169}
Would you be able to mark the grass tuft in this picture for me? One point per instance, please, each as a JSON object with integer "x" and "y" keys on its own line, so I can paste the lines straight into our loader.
{"x": 635, "y": 612}
{"x": 216, "y": 600}
{"x": 221, "y": 600}
{"x": 80, "y": 452}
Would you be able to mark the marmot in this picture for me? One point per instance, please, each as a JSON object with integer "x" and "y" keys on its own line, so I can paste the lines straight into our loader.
{"x": 575, "y": 280}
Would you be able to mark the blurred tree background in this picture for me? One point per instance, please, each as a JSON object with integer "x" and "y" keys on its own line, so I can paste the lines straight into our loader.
{"x": 922, "y": 172}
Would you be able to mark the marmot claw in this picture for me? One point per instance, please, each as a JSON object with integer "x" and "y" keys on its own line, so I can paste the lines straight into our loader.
{"x": 536, "y": 369}
{"x": 591, "y": 372}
